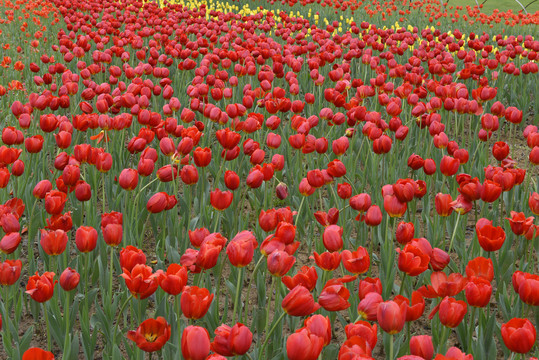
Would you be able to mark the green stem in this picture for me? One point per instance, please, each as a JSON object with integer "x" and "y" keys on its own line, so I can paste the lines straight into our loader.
{"x": 68, "y": 323}
{"x": 259, "y": 262}
{"x": 120, "y": 314}
{"x": 454, "y": 232}
{"x": 237, "y": 297}
{"x": 49, "y": 342}
{"x": 391, "y": 347}
{"x": 260, "y": 356}
{"x": 111, "y": 271}
{"x": 404, "y": 277}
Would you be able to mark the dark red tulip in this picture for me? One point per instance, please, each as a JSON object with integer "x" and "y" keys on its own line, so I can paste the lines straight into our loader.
{"x": 10, "y": 271}
{"x": 69, "y": 279}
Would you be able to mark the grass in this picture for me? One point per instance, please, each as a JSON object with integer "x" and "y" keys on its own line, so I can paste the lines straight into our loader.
{"x": 503, "y": 5}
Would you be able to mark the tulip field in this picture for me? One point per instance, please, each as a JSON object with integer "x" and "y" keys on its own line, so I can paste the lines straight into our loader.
{"x": 267, "y": 179}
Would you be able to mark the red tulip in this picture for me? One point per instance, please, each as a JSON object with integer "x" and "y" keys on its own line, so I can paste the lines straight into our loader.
{"x": 478, "y": 291}
{"x": 69, "y": 279}
{"x": 319, "y": 326}
{"x": 41, "y": 288}
{"x": 519, "y": 335}
{"x": 53, "y": 242}
{"x": 299, "y": 302}
{"x": 173, "y": 280}
{"x": 391, "y": 316}
{"x": 332, "y": 238}
{"x": 327, "y": 261}
{"x": 195, "y": 343}
{"x": 37, "y": 354}
{"x": 368, "y": 306}
{"x": 141, "y": 281}
{"x": 151, "y": 335}
{"x": 55, "y": 201}
{"x": 490, "y": 238}
{"x": 303, "y": 345}
{"x": 480, "y": 267}
{"x": 10, "y": 242}
{"x": 195, "y": 302}
{"x": 519, "y": 223}
{"x": 128, "y": 179}
{"x": 86, "y": 239}
{"x": 356, "y": 262}
{"x": 368, "y": 285}
{"x": 364, "y": 330}
{"x": 451, "y": 312}
{"x": 421, "y": 345}
{"x": 443, "y": 204}
{"x": 414, "y": 310}
{"x": 221, "y": 200}
{"x": 412, "y": 260}
{"x": 10, "y": 272}
{"x": 306, "y": 277}
{"x": 131, "y": 256}
{"x": 240, "y": 250}
{"x": 280, "y": 262}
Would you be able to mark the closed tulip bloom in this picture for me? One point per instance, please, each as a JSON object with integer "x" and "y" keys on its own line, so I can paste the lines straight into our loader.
{"x": 490, "y": 238}
{"x": 356, "y": 262}
{"x": 280, "y": 262}
{"x": 86, "y": 239}
{"x": 363, "y": 329}
{"x": 299, "y": 302}
{"x": 240, "y": 339}
{"x": 53, "y": 242}
{"x": 519, "y": 335}
{"x": 320, "y": 326}
{"x": 195, "y": 343}
{"x": 451, "y": 312}
{"x": 37, "y": 354}
{"x": 41, "y": 288}
{"x": 327, "y": 261}
{"x": 10, "y": 272}
{"x": 405, "y": 232}
{"x": 221, "y": 200}
{"x": 303, "y": 345}
{"x": 202, "y": 156}
{"x": 83, "y": 191}
{"x": 197, "y": 236}
{"x": 128, "y": 179}
{"x": 478, "y": 291}
{"x": 480, "y": 267}
{"x": 157, "y": 203}
{"x": 69, "y": 279}
{"x": 240, "y": 250}
{"x": 368, "y": 306}
{"x": 412, "y": 260}
{"x": 449, "y": 166}
{"x": 490, "y": 191}
{"x": 454, "y": 353}
{"x": 393, "y": 206}
{"x": 285, "y": 232}
{"x": 10, "y": 242}
{"x": 189, "y": 175}
{"x": 131, "y": 256}
{"x": 421, "y": 345}
{"x": 232, "y": 180}
{"x": 442, "y": 203}
{"x": 332, "y": 238}
{"x": 533, "y": 203}
{"x": 173, "y": 280}
{"x": 391, "y": 316}
{"x": 439, "y": 259}
{"x": 306, "y": 277}
{"x": 55, "y": 201}
{"x": 500, "y": 150}
{"x": 195, "y": 302}
{"x": 141, "y": 281}
{"x": 151, "y": 335}
{"x": 112, "y": 234}
{"x": 334, "y": 296}
{"x": 528, "y": 289}
{"x": 373, "y": 217}
{"x": 42, "y": 188}
{"x": 368, "y": 285}
{"x": 209, "y": 251}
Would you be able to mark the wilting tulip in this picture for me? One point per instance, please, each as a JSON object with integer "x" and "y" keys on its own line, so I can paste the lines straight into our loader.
{"x": 299, "y": 302}
{"x": 195, "y": 302}
{"x": 307, "y": 277}
{"x": 195, "y": 343}
{"x": 519, "y": 335}
{"x": 86, "y": 239}
{"x": 519, "y": 223}
{"x": 391, "y": 317}
{"x": 151, "y": 335}
{"x": 41, "y": 288}
{"x": 141, "y": 281}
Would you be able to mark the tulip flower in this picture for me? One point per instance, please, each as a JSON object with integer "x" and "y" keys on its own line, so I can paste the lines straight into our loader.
{"x": 86, "y": 239}
{"x": 221, "y": 200}
{"x": 55, "y": 201}
{"x": 140, "y": 281}
{"x": 37, "y": 354}
{"x": 519, "y": 223}
{"x": 327, "y": 261}
{"x": 151, "y": 335}
{"x": 364, "y": 330}
{"x": 391, "y": 316}
{"x": 519, "y": 335}
{"x": 303, "y": 345}
{"x": 490, "y": 238}
{"x": 299, "y": 302}
{"x": 307, "y": 277}
{"x": 131, "y": 256}
{"x": 478, "y": 291}
{"x": 10, "y": 242}
{"x": 412, "y": 260}
{"x": 53, "y": 242}
{"x": 195, "y": 343}
{"x": 451, "y": 312}
{"x": 232, "y": 341}
{"x": 173, "y": 280}
{"x": 280, "y": 262}
{"x": 69, "y": 279}
{"x": 10, "y": 271}
{"x": 334, "y": 296}
{"x": 421, "y": 345}
{"x": 319, "y": 326}
{"x": 332, "y": 238}
{"x": 195, "y": 302}
{"x": 41, "y": 287}
{"x": 368, "y": 306}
